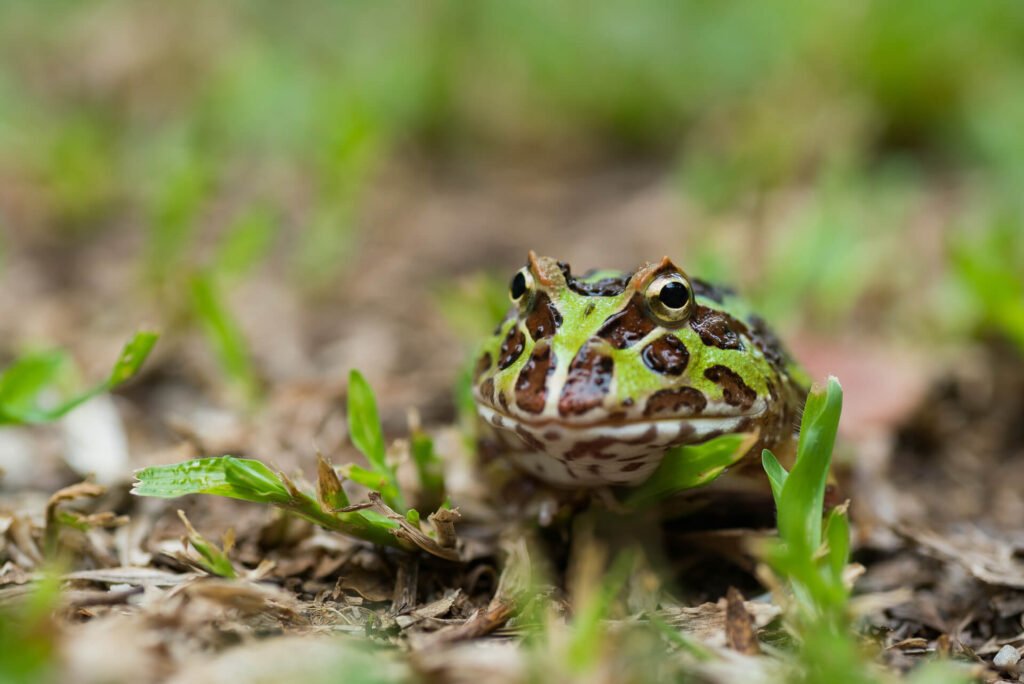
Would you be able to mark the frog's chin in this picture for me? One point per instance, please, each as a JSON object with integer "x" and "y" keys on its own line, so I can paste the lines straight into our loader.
{"x": 607, "y": 453}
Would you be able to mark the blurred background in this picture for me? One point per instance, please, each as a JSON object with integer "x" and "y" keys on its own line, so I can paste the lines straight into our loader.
{"x": 287, "y": 191}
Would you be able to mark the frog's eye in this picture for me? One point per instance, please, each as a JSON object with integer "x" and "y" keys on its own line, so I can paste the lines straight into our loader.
{"x": 670, "y": 298}
{"x": 521, "y": 286}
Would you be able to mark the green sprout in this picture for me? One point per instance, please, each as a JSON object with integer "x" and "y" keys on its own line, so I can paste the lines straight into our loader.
{"x": 27, "y": 386}
{"x": 384, "y": 520}
{"x": 811, "y": 557}
{"x": 211, "y": 558}
{"x": 687, "y": 467}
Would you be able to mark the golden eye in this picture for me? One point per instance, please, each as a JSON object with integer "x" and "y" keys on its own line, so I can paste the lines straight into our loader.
{"x": 521, "y": 286}
{"x": 670, "y": 298}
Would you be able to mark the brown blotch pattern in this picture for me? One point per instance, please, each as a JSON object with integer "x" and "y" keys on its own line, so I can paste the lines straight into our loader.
{"x": 483, "y": 364}
{"x": 673, "y": 401}
{"x": 628, "y": 326}
{"x": 529, "y": 439}
{"x": 734, "y": 390}
{"x": 716, "y": 293}
{"x": 543, "y": 319}
{"x": 511, "y": 347}
{"x": 487, "y": 389}
{"x": 531, "y": 385}
{"x": 587, "y": 383}
{"x": 666, "y": 355}
{"x": 605, "y": 287}
{"x": 593, "y": 448}
{"x": 716, "y": 328}
{"x": 765, "y": 338}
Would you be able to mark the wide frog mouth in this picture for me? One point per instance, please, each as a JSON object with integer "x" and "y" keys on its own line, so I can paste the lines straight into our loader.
{"x": 603, "y": 451}
{"x": 547, "y": 433}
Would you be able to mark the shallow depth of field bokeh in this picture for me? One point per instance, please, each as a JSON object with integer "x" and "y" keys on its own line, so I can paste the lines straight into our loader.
{"x": 287, "y": 191}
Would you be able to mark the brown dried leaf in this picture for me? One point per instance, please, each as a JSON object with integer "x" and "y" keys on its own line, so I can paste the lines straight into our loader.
{"x": 987, "y": 558}
{"x": 410, "y": 533}
{"x": 740, "y": 633}
{"x": 707, "y": 622}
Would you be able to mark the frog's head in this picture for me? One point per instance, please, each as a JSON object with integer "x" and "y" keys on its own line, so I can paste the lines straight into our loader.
{"x": 589, "y": 379}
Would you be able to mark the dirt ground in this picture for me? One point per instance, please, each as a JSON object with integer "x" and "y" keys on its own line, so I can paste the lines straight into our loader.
{"x": 930, "y": 454}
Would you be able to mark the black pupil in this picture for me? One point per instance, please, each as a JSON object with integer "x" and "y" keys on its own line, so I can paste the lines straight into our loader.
{"x": 674, "y": 295}
{"x": 518, "y": 285}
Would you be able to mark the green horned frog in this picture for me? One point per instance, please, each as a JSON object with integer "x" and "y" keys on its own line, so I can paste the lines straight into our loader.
{"x": 590, "y": 379}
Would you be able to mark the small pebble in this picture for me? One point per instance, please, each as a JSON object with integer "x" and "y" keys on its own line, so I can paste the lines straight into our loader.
{"x": 1007, "y": 657}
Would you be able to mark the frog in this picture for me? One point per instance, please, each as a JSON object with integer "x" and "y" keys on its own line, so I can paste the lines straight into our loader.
{"x": 590, "y": 380}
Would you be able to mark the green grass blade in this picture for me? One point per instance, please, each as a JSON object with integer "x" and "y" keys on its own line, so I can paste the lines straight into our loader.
{"x": 364, "y": 422}
{"x": 224, "y": 335}
{"x": 689, "y": 466}
{"x": 23, "y": 383}
{"x": 837, "y": 535}
{"x": 133, "y": 355}
{"x": 250, "y": 480}
{"x": 803, "y": 494}
{"x": 776, "y": 474}
{"x": 368, "y": 436}
{"x": 428, "y": 468}
{"x": 237, "y": 478}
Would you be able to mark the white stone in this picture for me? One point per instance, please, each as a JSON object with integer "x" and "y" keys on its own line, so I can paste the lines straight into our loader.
{"x": 1008, "y": 656}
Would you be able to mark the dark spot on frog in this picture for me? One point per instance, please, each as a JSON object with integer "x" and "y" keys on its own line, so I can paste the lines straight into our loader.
{"x": 716, "y": 328}
{"x": 511, "y": 347}
{"x": 674, "y": 401}
{"x": 531, "y": 385}
{"x": 605, "y": 287}
{"x": 628, "y": 326}
{"x": 589, "y": 309}
{"x": 627, "y": 402}
{"x": 770, "y": 345}
{"x": 716, "y": 293}
{"x": 588, "y": 381}
{"x": 544, "y": 318}
{"x": 483, "y": 364}
{"x": 666, "y": 355}
{"x": 487, "y": 390}
{"x": 552, "y": 435}
{"x": 503, "y": 400}
{"x": 529, "y": 439}
{"x": 593, "y": 448}
{"x": 734, "y": 390}
{"x": 630, "y": 467}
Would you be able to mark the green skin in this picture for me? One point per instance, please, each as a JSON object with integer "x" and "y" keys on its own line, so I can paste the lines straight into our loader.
{"x": 585, "y": 389}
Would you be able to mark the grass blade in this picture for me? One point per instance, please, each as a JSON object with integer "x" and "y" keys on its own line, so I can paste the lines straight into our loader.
{"x": 803, "y": 494}
{"x": 250, "y": 480}
{"x": 236, "y": 478}
{"x": 368, "y": 436}
{"x": 24, "y": 383}
{"x": 776, "y": 474}
{"x": 690, "y": 466}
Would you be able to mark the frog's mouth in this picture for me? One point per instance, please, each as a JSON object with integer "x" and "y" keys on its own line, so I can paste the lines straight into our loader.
{"x": 648, "y": 434}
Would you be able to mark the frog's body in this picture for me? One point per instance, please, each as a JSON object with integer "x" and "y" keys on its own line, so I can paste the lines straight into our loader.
{"x": 589, "y": 380}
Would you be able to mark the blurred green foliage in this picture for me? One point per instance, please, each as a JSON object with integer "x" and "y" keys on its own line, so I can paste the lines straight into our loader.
{"x": 113, "y": 109}
{"x": 750, "y": 96}
{"x": 35, "y": 387}
{"x": 28, "y": 634}
{"x": 251, "y": 480}
{"x": 811, "y": 556}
